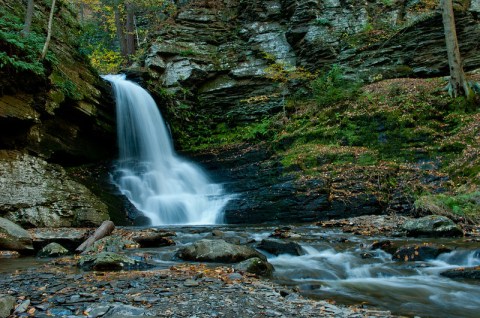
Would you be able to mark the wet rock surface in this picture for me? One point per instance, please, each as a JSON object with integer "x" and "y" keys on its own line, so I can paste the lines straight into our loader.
{"x": 280, "y": 247}
{"x": 217, "y": 251}
{"x": 432, "y": 225}
{"x": 56, "y": 291}
{"x": 53, "y": 250}
{"x": 463, "y": 273}
{"x": 423, "y": 252}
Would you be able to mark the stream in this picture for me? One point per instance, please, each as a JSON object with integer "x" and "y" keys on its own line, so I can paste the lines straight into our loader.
{"x": 333, "y": 268}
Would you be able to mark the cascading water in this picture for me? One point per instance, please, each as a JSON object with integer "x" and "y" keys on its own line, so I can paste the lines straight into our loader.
{"x": 164, "y": 187}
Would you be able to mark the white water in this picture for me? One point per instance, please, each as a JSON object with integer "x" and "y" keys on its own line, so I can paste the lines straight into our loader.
{"x": 164, "y": 187}
{"x": 410, "y": 288}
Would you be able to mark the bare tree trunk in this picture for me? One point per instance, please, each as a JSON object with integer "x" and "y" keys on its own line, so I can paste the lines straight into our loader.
{"x": 119, "y": 27}
{"x": 49, "y": 31}
{"x": 458, "y": 84}
{"x": 130, "y": 30}
{"x": 105, "y": 229}
{"x": 28, "y": 18}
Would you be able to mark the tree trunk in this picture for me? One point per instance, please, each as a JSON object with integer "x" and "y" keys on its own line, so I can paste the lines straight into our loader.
{"x": 49, "y": 31}
{"x": 130, "y": 30}
{"x": 457, "y": 84}
{"x": 120, "y": 32}
{"x": 28, "y": 18}
{"x": 105, "y": 229}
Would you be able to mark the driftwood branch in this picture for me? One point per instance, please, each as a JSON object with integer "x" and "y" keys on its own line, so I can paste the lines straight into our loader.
{"x": 105, "y": 229}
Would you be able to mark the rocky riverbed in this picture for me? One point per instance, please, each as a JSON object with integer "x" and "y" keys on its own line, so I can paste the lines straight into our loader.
{"x": 320, "y": 269}
{"x": 180, "y": 291}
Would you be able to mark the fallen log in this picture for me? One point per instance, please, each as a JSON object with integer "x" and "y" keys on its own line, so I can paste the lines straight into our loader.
{"x": 105, "y": 229}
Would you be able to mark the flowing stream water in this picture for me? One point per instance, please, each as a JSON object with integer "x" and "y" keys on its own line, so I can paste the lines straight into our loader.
{"x": 163, "y": 186}
{"x": 332, "y": 267}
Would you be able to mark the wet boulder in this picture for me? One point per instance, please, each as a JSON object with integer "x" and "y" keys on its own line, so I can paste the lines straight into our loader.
{"x": 415, "y": 252}
{"x": 432, "y": 225}
{"x": 109, "y": 261}
{"x": 14, "y": 238}
{"x": 255, "y": 266}
{"x": 384, "y": 245}
{"x": 153, "y": 239}
{"x": 463, "y": 273}
{"x": 277, "y": 247}
{"x": 217, "y": 251}
{"x": 113, "y": 243}
{"x": 53, "y": 250}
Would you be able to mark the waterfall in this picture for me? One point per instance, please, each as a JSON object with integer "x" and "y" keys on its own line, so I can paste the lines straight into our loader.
{"x": 163, "y": 186}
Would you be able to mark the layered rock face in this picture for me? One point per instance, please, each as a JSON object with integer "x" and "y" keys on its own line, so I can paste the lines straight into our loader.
{"x": 214, "y": 58}
{"x": 60, "y": 113}
{"x": 214, "y": 63}
{"x": 66, "y": 114}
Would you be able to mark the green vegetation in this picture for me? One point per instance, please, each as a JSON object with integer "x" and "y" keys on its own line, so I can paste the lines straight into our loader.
{"x": 465, "y": 205}
{"x": 19, "y": 53}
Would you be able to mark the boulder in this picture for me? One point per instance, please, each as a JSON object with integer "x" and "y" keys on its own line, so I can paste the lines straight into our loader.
{"x": 34, "y": 193}
{"x": 14, "y": 238}
{"x": 113, "y": 243}
{"x": 432, "y": 225}
{"x": 53, "y": 250}
{"x": 410, "y": 253}
{"x": 108, "y": 261}
{"x": 217, "y": 251}
{"x": 153, "y": 239}
{"x": 7, "y": 303}
{"x": 278, "y": 247}
{"x": 384, "y": 245}
{"x": 463, "y": 273}
{"x": 255, "y": 266}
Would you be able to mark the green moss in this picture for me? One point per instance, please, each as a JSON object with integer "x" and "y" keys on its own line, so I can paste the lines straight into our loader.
{"x": 465, "y": 205}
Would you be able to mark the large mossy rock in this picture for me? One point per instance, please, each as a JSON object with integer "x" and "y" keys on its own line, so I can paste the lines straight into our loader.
{"x": 432, "y": 225}
{"x": 14, "y": 238}
{"x": 34, "y": 193}
{"x": 217, "y": 251}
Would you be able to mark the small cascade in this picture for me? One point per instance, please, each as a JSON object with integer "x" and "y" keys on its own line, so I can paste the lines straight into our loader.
{"x": 164, "y": 187}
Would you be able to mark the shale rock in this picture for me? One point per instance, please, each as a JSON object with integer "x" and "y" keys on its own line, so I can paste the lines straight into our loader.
{"x": 432, "y": 225}
{"x": 34, "y": 193}
{"x": 217, "y": 251}
{"x": 14, "y": 238}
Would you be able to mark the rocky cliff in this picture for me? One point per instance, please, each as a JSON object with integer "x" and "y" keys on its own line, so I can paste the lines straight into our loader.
{"x": 211, "y": 70}
{"x": 55, "y": 111}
